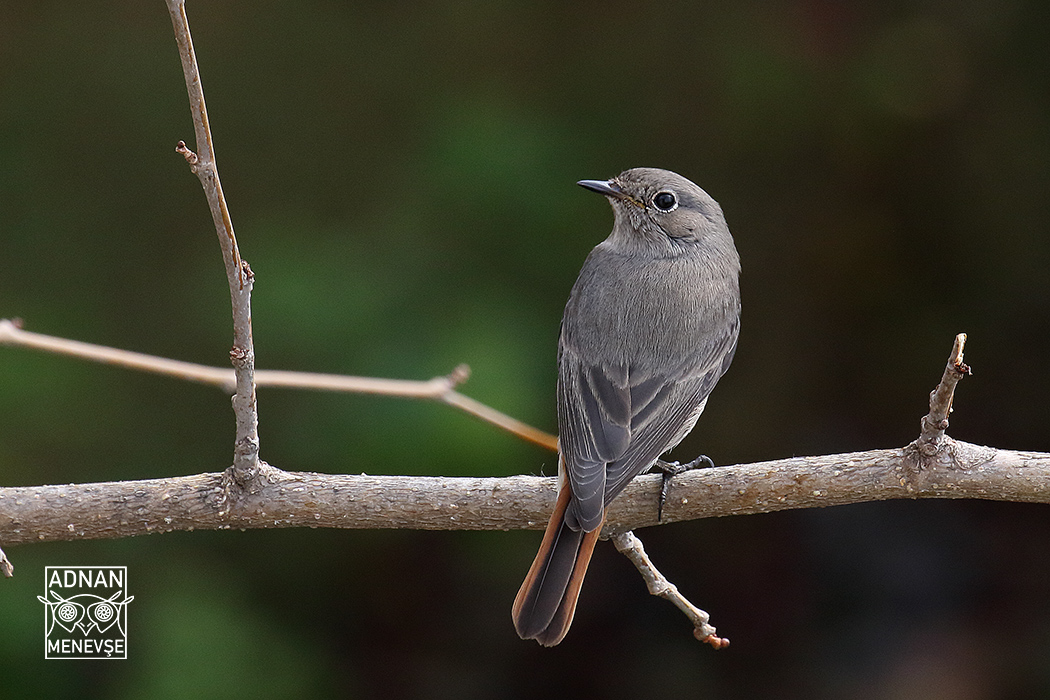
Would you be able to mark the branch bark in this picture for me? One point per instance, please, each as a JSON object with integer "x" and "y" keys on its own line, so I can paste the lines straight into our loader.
{"x": 279, "y": 499}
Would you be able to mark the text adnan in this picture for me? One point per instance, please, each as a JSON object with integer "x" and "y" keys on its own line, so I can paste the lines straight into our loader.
{"x": 86, "y": 578}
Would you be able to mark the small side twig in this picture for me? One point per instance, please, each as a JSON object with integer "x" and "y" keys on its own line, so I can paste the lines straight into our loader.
{"x": 936, "y": 421}
{"x": 631, "y": 547}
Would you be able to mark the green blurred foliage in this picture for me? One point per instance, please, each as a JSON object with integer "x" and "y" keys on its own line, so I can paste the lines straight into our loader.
{"x": 401, "y": 179}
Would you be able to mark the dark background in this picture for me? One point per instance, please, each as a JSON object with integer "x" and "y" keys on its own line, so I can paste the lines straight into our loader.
{"x": 401, "y": 180}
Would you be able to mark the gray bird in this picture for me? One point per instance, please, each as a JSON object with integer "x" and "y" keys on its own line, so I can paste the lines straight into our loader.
{"x": 649, "y": 328}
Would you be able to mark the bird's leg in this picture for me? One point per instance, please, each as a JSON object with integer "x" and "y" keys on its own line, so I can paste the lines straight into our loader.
{"x": 672, "y": 469}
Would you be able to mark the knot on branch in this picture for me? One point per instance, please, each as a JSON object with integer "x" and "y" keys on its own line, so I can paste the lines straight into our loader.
{"x": 241, "y": 358}
{"x": 923, "y": 459}
{"x": 241, "y": 479}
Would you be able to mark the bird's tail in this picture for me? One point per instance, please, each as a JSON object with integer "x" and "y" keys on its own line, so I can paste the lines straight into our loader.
{"x": 546, "y": 600}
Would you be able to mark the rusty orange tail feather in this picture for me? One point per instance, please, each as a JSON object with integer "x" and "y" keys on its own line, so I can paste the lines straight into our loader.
{"x": 546, "y": 601}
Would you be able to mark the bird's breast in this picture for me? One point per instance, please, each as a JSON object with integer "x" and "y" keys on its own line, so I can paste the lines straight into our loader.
{"x": 638, "y": 313}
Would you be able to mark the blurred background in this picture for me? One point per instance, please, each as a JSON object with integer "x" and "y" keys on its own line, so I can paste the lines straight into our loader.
{"x": 401, "y": 178}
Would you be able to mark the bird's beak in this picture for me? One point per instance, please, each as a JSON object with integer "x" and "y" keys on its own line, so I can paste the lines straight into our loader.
{"x": 610, "y": 189}
{"x": 605, "y": 187}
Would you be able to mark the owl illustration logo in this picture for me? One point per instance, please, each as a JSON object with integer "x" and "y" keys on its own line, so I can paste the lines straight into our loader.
{"x": 85, "y": 612}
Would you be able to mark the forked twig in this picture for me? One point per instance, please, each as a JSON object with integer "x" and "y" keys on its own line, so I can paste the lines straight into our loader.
{"x": 440, "y": 389}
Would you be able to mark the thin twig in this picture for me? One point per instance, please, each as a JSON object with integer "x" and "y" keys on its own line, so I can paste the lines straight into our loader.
{"x": 631, "y": 547}
{"x": 491, "y": 415}
{"x": 12, "y": 333}
{"x": 239, "y": 275}
{"x": 437, "y": 389}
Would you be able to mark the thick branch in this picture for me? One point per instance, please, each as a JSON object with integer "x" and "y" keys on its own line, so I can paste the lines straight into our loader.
{"x": 298, "y": 499}
{"x": 239, "y": 275}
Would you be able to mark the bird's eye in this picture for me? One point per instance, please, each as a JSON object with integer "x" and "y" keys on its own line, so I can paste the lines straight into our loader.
{"x": 665, "y": 201}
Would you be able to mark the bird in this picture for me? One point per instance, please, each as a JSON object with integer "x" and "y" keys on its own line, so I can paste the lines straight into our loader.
{"x": 650, "y": 326}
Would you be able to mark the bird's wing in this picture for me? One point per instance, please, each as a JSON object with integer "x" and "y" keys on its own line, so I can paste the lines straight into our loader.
{"x": 615, "y": 423}
{"x": 594, "y": 420}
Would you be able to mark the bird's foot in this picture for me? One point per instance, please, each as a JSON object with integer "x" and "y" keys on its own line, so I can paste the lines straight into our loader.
{"x": 668, "y": 470}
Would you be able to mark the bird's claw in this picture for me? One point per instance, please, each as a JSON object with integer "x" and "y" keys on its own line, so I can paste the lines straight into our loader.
{"x": 673, "y": 469}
